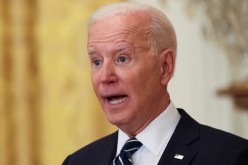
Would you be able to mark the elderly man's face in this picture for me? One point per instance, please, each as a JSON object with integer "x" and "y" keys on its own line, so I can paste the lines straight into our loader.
{"x": 126, "y": 77}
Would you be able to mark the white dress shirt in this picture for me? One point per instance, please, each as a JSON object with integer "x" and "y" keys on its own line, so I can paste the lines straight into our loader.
{"x": 154, "y": 137}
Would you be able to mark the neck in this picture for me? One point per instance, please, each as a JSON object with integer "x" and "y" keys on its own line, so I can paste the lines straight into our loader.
{"x": 133, "y": 130}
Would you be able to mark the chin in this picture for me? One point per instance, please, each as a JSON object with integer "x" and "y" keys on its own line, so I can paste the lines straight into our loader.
{"x": 117, "y": 120}
{"x": 114, "y": 121}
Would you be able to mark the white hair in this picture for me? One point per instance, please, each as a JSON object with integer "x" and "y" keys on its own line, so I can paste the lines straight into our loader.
{"x": 162, "y": 33}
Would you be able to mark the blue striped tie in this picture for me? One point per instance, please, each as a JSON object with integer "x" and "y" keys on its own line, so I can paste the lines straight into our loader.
{"x": 129, "y": 148}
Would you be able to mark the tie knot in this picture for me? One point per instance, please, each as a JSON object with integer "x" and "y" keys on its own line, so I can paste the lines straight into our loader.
{"x": 131, "y": 146}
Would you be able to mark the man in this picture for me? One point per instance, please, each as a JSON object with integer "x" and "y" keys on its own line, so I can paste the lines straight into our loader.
{"x": 132, "y": 50}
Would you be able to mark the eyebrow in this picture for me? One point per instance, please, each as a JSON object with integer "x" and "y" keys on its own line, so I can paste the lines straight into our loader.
{"x": 120, "y": 49}
{"x": 92, "y": 51}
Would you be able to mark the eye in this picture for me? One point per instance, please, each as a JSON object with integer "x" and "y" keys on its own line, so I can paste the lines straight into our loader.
{"x": 122, "y": 59}
{"x": 96, "y": 62}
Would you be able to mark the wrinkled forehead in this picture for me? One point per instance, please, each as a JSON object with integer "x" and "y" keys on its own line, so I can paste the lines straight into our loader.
{"x": 132, "y": 24}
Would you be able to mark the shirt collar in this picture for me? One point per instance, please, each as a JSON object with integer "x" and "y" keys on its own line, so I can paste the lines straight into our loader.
{"x": 159, "y": 130}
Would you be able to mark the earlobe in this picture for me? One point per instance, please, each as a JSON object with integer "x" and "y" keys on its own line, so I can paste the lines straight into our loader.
{"x": 167, "y": 62}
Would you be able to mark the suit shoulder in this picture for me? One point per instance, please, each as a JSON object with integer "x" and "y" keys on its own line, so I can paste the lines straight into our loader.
{"x": 216, "y": 134}
{"x": 213, "y": 146}
{"x": 206, "y": 133}
{"x": 98, "y": 144}
{"x": 209, "y": 138}
{"x": 223, "y": 146}
{"x": 93, "y": 152}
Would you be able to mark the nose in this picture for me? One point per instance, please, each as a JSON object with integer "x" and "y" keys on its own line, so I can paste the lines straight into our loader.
{"x": 108, "y": 73}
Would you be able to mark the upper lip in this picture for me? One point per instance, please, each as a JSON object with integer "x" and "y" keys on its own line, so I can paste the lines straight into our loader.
{"x": 109, "y": 96}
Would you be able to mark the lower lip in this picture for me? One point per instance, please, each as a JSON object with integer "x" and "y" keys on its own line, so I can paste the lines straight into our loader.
{"x": 118, "y": 101}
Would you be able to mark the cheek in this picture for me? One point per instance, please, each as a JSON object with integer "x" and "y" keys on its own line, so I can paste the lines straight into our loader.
{"x": 144, "y": 82}
{"x": 136, "y": 84}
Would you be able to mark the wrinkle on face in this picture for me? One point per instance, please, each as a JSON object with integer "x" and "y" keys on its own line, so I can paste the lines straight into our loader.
{"x": 130, "y": 36}
{"x": 126, "y": 28}
{"x": 138, "y": 80}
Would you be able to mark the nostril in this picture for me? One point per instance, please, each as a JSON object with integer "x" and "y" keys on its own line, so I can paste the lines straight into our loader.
{"x": 110, "y": 79}
{"x": 109, "y": 82}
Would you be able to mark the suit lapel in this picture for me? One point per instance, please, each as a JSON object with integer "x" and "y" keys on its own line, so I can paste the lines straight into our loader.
{"x": 186, "y": 133}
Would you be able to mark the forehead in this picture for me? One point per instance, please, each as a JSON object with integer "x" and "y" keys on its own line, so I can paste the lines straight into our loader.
{"x": 130, "y": 27}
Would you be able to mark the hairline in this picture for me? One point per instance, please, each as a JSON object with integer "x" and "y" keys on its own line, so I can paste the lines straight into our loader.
{"x": 158, "y": 23}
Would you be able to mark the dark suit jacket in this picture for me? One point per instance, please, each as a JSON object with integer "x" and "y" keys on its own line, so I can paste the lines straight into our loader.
{"x": 200, "y": 145}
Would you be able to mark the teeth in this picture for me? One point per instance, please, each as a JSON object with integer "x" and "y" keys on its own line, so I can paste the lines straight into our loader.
{"x": 117, "y": 101}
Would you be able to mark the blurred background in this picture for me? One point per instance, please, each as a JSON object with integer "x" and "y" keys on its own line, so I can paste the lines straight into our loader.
{"x": 47, "y": 105}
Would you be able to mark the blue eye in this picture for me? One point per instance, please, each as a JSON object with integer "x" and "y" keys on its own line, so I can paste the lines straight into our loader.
{"x": 97, "y": 62}
{"x": 122, "y": 59}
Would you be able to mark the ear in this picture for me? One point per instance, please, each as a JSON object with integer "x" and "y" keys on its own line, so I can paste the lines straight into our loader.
{"x": 167, "y": 62}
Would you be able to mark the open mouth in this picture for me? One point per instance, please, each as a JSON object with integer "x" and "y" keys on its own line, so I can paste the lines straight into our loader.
{"x": 116, "y": 99}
